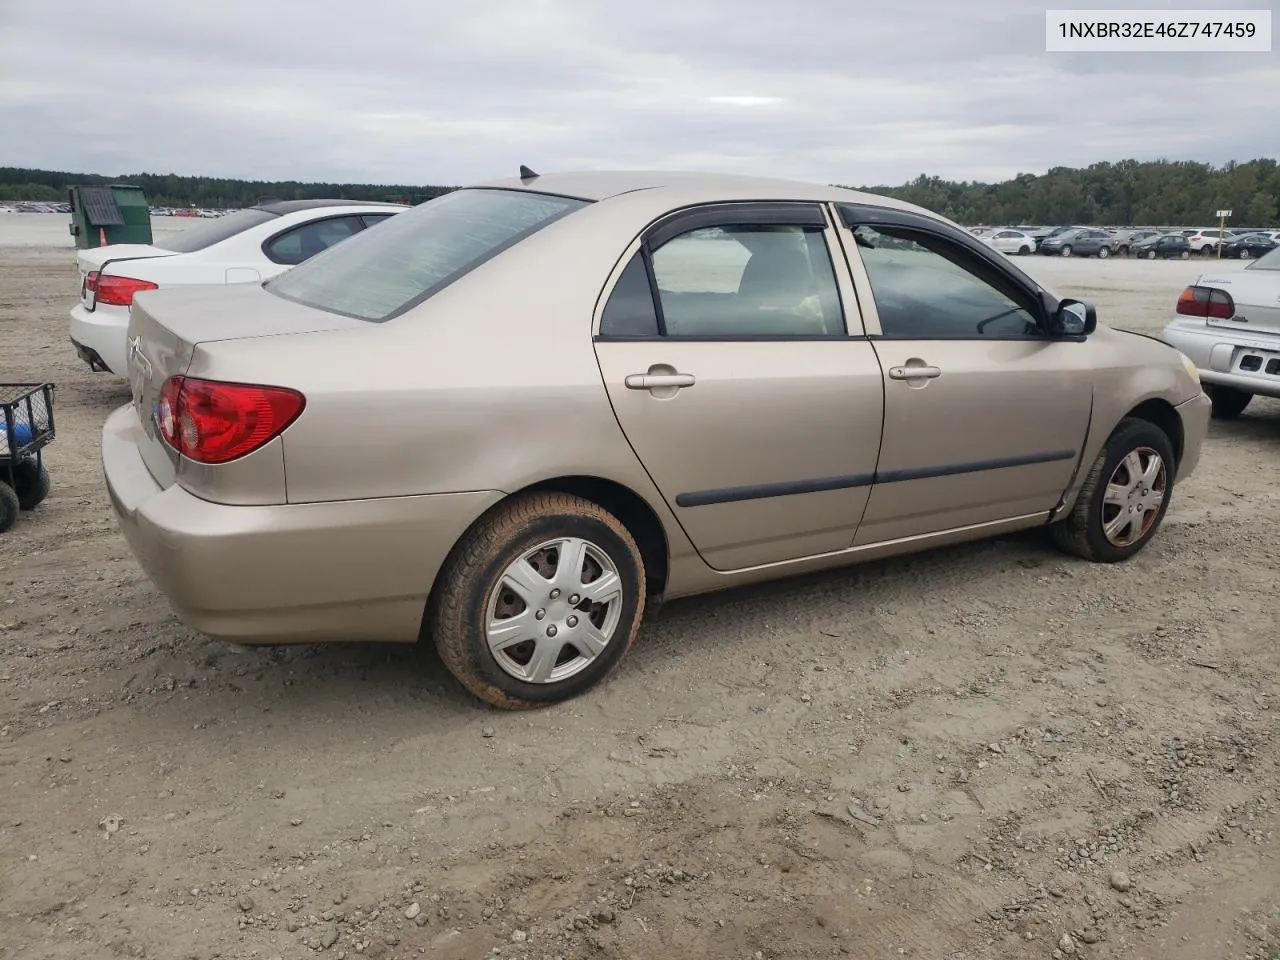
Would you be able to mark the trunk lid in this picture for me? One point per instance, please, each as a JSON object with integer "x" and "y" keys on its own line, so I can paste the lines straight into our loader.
{"x": 166, "y": 327}
{"x": 1257, "y": 297}
{"x": 93, "y": 259}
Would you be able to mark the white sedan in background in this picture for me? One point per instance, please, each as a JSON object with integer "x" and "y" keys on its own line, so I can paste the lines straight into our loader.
{"x": 1011, "y": 241}
{"x": 1228, "y": 323}
{"x": 247, "y": 246}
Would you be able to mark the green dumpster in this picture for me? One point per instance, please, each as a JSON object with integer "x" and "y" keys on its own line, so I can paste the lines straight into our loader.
{"x": 116, "y": 213}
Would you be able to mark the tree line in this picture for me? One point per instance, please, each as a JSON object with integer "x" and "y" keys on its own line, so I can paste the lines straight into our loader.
{"x": 171, "y": 190}
{"x": 1125, "y": 193}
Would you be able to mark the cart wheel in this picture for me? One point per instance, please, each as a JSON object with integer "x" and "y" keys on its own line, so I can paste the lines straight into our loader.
{"x": 31, "y": 481}
{"x": 8, "y": 507}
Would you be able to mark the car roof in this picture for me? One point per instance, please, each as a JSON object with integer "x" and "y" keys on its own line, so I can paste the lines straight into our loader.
{"x": 282, "y": 207}
{"x": 703, "y": 187}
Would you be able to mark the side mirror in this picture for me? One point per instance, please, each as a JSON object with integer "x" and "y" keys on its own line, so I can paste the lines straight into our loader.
{"x": 1074, "y": 318}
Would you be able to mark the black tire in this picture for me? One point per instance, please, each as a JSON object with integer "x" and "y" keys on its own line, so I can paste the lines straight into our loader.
{"x": 1081, "y": 531}
{"x": 1151, "y": 255}
{"x": 1185, "y": 255}
{"x": 1228, "y": 402}
{"x": 31, "y": 482}
{"x": 8, "y": 507}
{"x": 1207, "y": 251}
{"x": 1066, "y": 250}
{"x": 475, "y": 567}
{"x": 1122, "y": 251}
{"x": 1103, "y": 253}
{"x": 1024, "y": 251}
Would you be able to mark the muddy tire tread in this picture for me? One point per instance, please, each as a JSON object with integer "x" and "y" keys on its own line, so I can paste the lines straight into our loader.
{"x": 450, "y": 621}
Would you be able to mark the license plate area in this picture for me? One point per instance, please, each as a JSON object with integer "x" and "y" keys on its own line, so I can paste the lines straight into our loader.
{"x": 86, "y": 296}
{"x": 1254, "y": 362}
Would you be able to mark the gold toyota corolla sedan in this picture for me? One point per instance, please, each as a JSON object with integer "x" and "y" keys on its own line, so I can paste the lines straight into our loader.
{"x": 512, "y": 417}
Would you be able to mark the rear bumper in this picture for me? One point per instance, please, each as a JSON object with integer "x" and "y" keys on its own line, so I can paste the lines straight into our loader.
{"x": 101, "y": 333}
{"x": 1214, "y": 353}
{"x": 346, "y": 570}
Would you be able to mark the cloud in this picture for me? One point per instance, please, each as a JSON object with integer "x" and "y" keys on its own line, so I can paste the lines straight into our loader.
{"x": 434, "y": 93}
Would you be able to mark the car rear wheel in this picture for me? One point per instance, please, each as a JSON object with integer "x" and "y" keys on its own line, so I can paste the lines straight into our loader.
{"x": 1024, "y": 250}
{"x": 538, "y": 601}
{"x": 1103, "y": 253}
{"x": 1228, "y": 402}
{"x": 1206, "y": 251}
{"x": 1244, "y": 253}
{"x": 1066, "y": 250}
{"x": 1124, "y": 497}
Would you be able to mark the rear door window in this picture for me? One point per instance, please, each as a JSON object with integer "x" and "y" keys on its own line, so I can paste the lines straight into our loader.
{"x": 381, "y": 273}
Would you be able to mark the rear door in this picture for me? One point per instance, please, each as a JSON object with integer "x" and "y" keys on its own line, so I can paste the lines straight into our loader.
{"x": 985, "y": 413}
{"x": 733, "y": 355}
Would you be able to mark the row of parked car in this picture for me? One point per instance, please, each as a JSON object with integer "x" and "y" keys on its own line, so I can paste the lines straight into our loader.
{"x": 1150, "y": 243}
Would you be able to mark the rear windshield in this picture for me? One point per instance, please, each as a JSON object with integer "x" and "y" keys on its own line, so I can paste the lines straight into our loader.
{"x": 1270, "y": 261}
{"x": 209, "y": 232}
{"x": 379, "y": 274}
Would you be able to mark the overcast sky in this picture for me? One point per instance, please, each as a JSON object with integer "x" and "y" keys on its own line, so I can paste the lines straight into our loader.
{"x": 422, "y": 91}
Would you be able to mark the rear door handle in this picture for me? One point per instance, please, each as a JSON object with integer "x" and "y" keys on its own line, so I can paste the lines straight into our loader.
{"x": 656, "y": 381}
{"x": 914, "y": 373}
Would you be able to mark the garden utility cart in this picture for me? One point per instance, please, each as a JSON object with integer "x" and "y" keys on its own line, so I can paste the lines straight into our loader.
{"x": 26, "y": 428}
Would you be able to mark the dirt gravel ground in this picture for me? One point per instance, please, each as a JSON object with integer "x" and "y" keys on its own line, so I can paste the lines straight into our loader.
{"x": 992, "y": 751}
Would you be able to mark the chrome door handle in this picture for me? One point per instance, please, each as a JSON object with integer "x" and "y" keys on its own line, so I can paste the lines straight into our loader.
{"x": 656, "y": 381}
{"x": 913, "y": 373}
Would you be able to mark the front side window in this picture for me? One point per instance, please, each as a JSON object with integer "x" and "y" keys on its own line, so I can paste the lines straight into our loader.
{"x": 746, "y": 280}
{"x": 379, "y": 274}
{"x": 928, "y": 288}
{"x": 304, "y": 242}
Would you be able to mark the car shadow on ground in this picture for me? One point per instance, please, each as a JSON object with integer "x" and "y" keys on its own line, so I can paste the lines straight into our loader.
{"x": 318, "y": 676}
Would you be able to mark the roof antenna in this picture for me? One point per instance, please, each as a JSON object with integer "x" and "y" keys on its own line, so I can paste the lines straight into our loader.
{"x": 526, "y": 173}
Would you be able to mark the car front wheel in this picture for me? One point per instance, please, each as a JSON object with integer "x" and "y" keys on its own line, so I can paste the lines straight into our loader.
{"x": 1066, "y": 251}
{"x": 538, "y": 601}
{"x": 1124, "y": 497}
{"x": 1228, "y": 402}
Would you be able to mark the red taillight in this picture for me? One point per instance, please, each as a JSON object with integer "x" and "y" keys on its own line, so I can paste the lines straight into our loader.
{"x": 213, "y": 422}
{"x": 1206, "y": 302}
{"x": 113, "y": 290}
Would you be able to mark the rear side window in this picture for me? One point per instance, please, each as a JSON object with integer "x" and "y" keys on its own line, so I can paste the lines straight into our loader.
{"x": 304, "y": 242}
{"x": 379, "y": 274}
{"x": 209, "y": 232}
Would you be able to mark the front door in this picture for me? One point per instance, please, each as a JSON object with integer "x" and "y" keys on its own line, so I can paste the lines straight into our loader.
{"x": 985, "y": 413}
{"x": 724, "y": 348}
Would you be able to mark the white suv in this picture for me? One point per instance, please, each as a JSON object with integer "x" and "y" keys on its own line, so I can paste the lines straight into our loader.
{"x": 247, "y": 246}
{"x": 1206, "y": 242}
